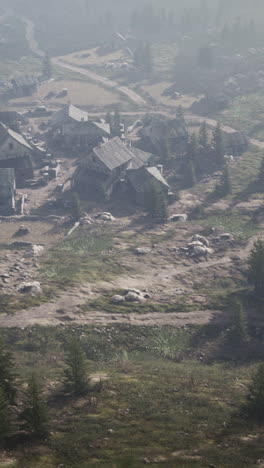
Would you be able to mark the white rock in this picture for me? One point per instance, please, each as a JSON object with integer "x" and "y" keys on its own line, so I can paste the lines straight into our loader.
{"x": 32, "y": 288}
{"x": 142, "y": 251}
{"x": 201, "y": 239}
{"x": 118, "y": 299}
{"x": 133, "y": 297}
{"x": 178, "y": 217}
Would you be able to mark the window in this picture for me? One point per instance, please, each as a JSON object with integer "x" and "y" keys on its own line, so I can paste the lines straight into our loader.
{"x": 11, "y": 146}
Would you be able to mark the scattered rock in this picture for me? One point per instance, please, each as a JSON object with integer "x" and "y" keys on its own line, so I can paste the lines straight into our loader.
{"x": 142, "y": 251}
{"x": 178, "y": 217}
{"x": 22, "y": 231}
{"x": 32, "y": 288}
{"x": 201, "y": 239}
{"x": 37, "y": 250}
{"x": 226, "y": 236}
{"x": 105, "y": 216}
{"x": 117, "y": 299}
{"x": 132, "y": 297}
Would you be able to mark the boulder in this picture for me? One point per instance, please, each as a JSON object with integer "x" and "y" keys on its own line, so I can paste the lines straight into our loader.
{"x": 22, "y": 231}
{"x": 201, "y": 239}
{"x": 200, "y": 250}
{"x": 178, "y": 217}
{"x": 134, "y": 297}
{"x": 226, "y": 236}
{"x": 117, "y": 299}
{"x": 105, "y": 216}
{"x": 142, "y": 251}
{"x": 37, "y": 250}
{"x": 32, "y": 288}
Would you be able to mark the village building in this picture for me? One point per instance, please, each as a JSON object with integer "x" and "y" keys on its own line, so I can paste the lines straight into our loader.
{"x": 102, "y": 169}
{"x": 72, "y": 128}
{"x": 24, "y": 85}
{"x": 112, "y": 167}
{"x": 141, "y": 182}
{"x": 15, "y": 152}
{"x": 160, "y": 135}
{"x": 7, "y": 191}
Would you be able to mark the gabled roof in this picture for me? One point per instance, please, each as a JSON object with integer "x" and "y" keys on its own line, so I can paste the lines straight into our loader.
{"x": 155, "y": 173}
{"x": 140, "y": 178}
{"x": 140, "y": 157}
{"x": 71, "y": 112}
{"x": 6, "y": 132}
{"x": 113, "y": 153}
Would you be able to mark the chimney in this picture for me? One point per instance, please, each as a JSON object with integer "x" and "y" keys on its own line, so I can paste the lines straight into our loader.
{"x": 160, "y": 168}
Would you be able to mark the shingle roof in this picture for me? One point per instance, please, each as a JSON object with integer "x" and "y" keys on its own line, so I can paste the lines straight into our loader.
{"x": 6, "y": 132}
{"x": 140, "y": 157}
{"x": 18, "y": 138}
{"x": 157, "y": 175}
{"x": 139, "y": 178}
{"x": 72, "y": 112}
{"x": 113, "y": 153}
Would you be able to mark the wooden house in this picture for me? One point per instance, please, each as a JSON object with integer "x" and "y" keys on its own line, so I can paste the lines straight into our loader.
{"x": 15, "y": 152}
{"x": 102, "y": 169}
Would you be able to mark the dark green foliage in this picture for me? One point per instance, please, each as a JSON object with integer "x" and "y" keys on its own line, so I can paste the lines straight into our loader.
{"x": 47, "y": 66}
{"x": 76, "y": 209}
{"x": 180, "y": 113}
{"x": 157, "y": 204}
{"x": 238, "y": 335}
{"x": 75, "y": 372}
{"x": 35, "y": 412}
{"x": 7, "y": 377}
{"x": 5, "y": 421}
{"x": 115, "y": 124}
{"x": 261, "y": 175}
{"x": 256, "y": 268}
{"x": 256, "y": 394}
{"x": 203, "y": 136}
{"x": 192, "y": 151}
{"x": 143, "y": 58}
{"x": 218, "y": 145}
{"x": 191, "y": 178}
{"x": 206, "y": 57}
{"x": 108, "y": 118}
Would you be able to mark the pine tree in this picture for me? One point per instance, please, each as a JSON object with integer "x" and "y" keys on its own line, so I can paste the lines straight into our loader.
{"x": 239, "y": 328}
{"x": 218, "y": 144}
{"x": 226, "y": 182}
{"x": 147, "y": 59}
{"x": 191, "y": 174}
{"x": 47, "y": 66}
{"x": 75, "y": 372}
{"x": 256, "y": 394}
{"x": 35, "y": 412}
{"x": 7, "y": 377}
{"x": 261, "y": 175}
{"x": 156, "y": 204}
{"x": 193, "y": 148}
{"x": 76, "y": 208}
{"x": 256, "y": 268}
{"x": 203, "y": 136}
{"x": 180, "y": 113}
{"x": 5, "y": 420}
{"x": 116, "y": 122}
{"x": 108, "y": 118}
